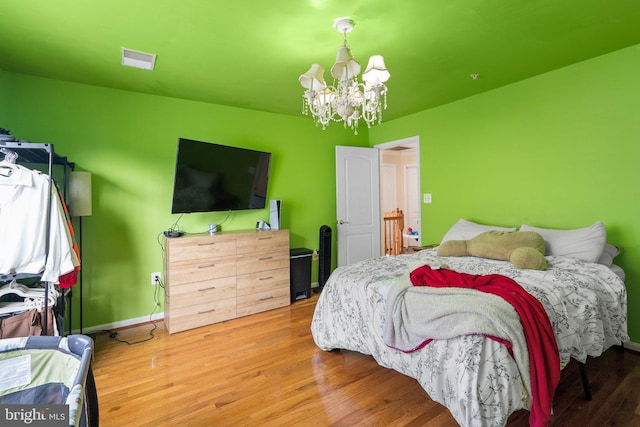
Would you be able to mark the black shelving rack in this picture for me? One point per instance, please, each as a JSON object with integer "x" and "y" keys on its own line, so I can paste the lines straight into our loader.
{"x": 40, "y": 154}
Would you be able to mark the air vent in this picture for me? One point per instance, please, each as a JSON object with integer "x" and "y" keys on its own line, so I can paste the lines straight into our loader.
{"x": 133, "y": 58}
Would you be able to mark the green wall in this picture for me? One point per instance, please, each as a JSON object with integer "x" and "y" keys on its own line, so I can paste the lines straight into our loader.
{"x": 559, "y": 150}
{"x": 128, "y": 142}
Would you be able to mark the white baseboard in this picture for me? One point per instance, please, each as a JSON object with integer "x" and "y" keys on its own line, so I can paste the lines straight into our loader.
{"x": 120, "y": 324}
{"x": 632, "y": 346}
{"x": 315, "y": 285}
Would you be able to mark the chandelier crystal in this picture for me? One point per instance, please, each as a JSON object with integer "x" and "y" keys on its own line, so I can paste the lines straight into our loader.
{"x": 347, "y": 100}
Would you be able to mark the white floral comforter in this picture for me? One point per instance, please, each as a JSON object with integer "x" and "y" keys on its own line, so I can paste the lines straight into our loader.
{"x": 473, "y": 376}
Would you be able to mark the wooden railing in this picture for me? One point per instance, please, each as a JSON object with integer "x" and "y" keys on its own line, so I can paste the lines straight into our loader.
{"x": 393, "y": 226}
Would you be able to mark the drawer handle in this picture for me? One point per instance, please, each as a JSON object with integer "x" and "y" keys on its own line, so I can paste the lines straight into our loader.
{"x": 266, "y": 278}
{"x": 206, "y": 266}
{"x": 264, "y": 238}
{"x": 207, "y": 289}
{"x": 207, "y": 311}
{"x": 264, "y": 258}
{"x": 206, "y": 244}
{"x": 265, "y": 298}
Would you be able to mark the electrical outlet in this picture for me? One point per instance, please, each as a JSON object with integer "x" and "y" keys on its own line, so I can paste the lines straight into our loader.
{"x": 155, "y": 278}
{"x": 315, "y": 256}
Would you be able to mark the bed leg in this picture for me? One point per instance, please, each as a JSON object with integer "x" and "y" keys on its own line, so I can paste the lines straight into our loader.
{"x": 585, "y": 381}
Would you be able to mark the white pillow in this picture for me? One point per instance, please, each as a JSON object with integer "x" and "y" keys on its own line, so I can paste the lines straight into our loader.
{"x": 619, "y": 271}
{"x": 608, "y": 254}
{"x": 584, "y": 243}
{"x": 465, "y": 230}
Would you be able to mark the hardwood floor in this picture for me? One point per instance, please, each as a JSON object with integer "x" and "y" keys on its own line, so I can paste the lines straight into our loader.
{"x": 266, "y": 370}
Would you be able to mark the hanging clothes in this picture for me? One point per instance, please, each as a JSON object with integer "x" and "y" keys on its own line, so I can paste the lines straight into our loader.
{"x": 22, "y": 308}
{"x": 69, "y": 279}
{"x": 27, "y": 323}
{"x": 24, "y": 220}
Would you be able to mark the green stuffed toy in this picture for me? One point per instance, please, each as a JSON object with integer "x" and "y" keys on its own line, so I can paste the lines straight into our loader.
{"x": 525, "y": 249}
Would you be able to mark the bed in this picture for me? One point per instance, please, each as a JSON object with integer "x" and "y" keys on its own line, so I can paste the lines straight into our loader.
{"x": 474, "y": 376}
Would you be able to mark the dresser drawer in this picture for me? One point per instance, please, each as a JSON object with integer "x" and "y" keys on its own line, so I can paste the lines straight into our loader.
{"x": 199, "y": 270}
{"x": 262, "y": 301}
{"x": 263, "y": 241}
{"x": 202, "y": 292}
{"x": 263, "y": 280}
{"x": 262, "y": 262}
{"x": 200, "y": 247}
{"x": 196, "y": 315}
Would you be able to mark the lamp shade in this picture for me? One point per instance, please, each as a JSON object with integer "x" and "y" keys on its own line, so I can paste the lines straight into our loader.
{"x": 376, "y": 71}
{"x": 322, "y": 97}
{"x": 80, "y": 193}
{"x": 345, "y": 67}
{"x": 313, "y": 79}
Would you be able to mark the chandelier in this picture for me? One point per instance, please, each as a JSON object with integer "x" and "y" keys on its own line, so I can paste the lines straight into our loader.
{"x": 347, "y": 100}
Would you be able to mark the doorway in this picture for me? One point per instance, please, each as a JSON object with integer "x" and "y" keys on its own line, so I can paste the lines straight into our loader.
{"x": 400, "y": 191}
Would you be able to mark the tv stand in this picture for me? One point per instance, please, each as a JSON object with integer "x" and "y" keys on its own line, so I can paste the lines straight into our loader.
{"x": 217, "y": 277}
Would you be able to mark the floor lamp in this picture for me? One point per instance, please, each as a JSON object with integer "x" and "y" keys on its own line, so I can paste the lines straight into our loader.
{"x": 80, "y": 205}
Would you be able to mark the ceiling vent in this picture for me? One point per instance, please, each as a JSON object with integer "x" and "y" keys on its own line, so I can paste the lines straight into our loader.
{"x": 133, "y": 58}
{"x": 400, "y": 148}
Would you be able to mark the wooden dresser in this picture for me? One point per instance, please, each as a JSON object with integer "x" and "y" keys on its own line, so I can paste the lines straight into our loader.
{"x": 212, "y": 278}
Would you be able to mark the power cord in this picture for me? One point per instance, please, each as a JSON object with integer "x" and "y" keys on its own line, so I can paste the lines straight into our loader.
{"x": 226, "y": 218}
{"x": 174, "y": 226}
{"x": 156, "y": 304}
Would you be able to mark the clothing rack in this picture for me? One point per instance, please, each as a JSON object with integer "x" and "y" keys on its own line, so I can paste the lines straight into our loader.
{"x": 42, "y": 154}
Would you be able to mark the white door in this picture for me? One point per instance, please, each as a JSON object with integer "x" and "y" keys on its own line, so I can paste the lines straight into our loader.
{"x": 412, "y": 199}
{"x": 388, "y": 188}
{"x": 357, "y": 204}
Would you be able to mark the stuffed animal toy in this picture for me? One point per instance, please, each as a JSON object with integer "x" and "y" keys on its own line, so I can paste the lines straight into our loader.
{"x": 525, "y": 249}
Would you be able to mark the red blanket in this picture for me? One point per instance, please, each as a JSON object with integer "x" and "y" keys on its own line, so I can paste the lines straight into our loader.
{"x": 544, "y": 359}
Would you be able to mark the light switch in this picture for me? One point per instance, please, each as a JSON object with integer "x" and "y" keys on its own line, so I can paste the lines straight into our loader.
{"x": 426, "y": 197}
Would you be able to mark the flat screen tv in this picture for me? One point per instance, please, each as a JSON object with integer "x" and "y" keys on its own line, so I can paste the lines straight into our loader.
{"x": 213, "y": 177}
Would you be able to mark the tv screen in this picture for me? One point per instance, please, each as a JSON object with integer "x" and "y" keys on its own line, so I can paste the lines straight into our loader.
{"x": 212, "y": 177}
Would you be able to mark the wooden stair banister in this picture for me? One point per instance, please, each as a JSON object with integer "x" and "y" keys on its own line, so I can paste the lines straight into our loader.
{"x": 393, "y": 227}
